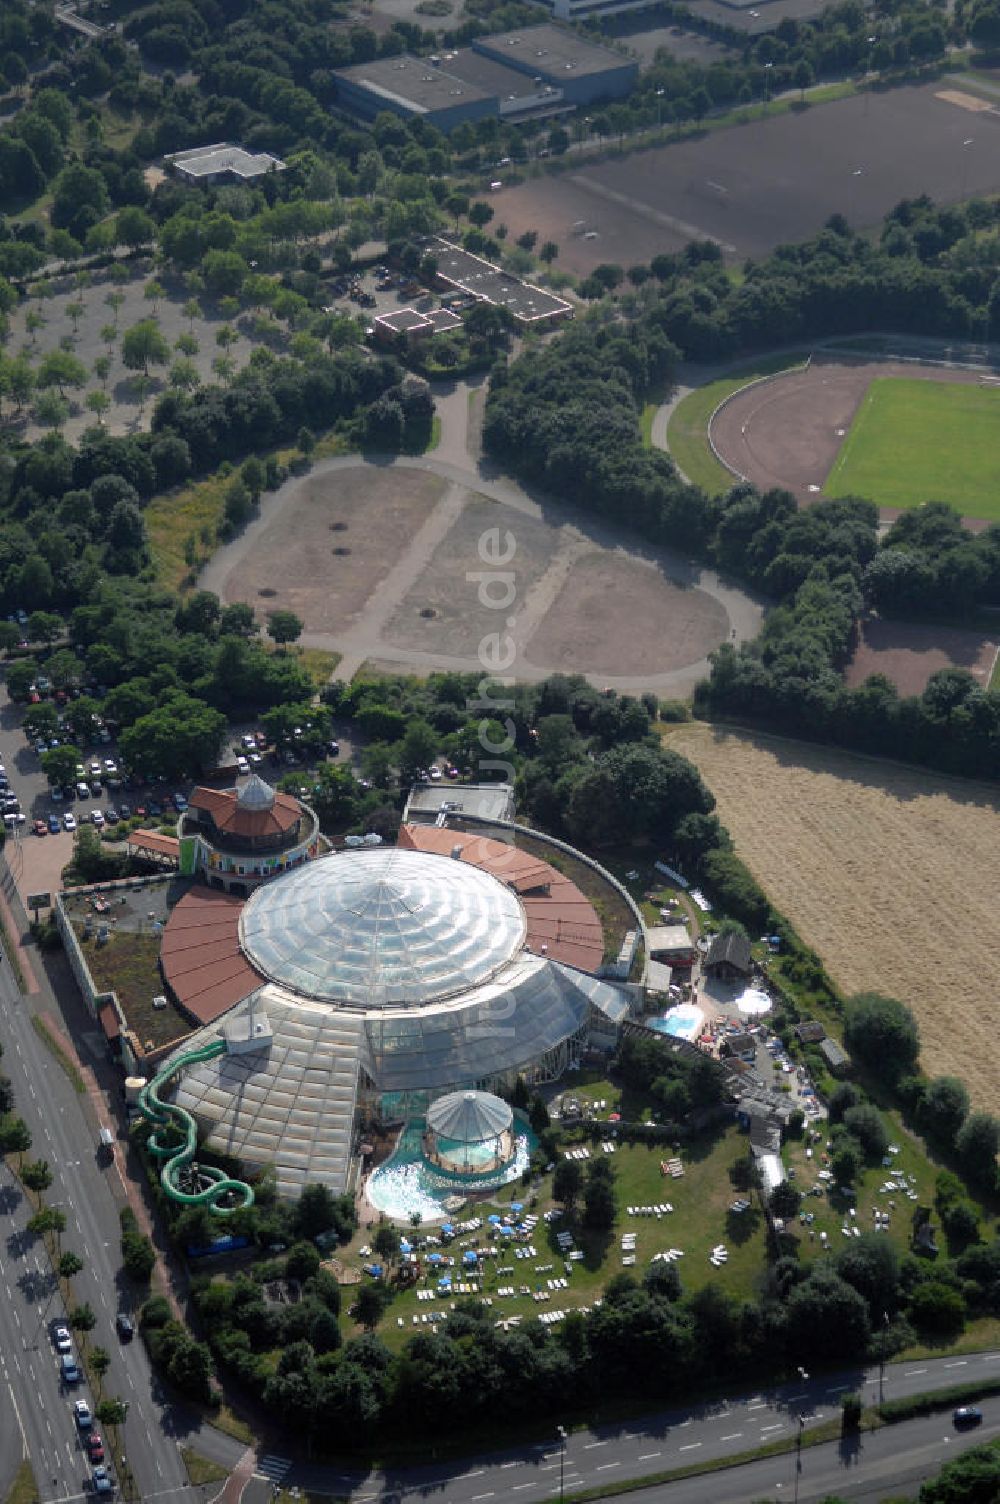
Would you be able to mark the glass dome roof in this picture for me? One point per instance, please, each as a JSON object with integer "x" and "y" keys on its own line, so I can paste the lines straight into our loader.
{"x": 382, "y": 928}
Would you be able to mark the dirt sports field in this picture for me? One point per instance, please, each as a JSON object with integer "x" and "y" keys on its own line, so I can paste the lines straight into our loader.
{"x": 891, "y": 874}
{"x": 908, "y": 654}
{"x": 787, "y": 431}
{"x": 765, "y": 183}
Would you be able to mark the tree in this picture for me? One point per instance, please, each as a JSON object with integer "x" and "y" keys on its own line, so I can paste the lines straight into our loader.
{"x": 976, "y": 1145}
{"x": 865, "y": 1123}
{"x": 111, "y": 1412}
{"x": 138, "y": 1257}
{"x": 99, "y": 403}
{"x": 417, "y": 750}
{"x": 937, "y": 1308}
{"x": 60, "y": 369}
{"x": 803, "y": 77}
{"x": 180, "y": 738}
{"x": 75, "y": 312}
{"x": 369, "y": 1305}
{"x": 183, "y": 376}
{"x": 36, "y": 1175}
{"x": 785, "y": 1200}
{"x": 548, "y": 252}
{"x": 846, "y": 1159}
{"x": 824, "y": 1314}
{"x": 599, "y": 1196}
{"x": 283, "y": 626}
{"x": 386, "y": 1240}
{"x": 59, "y": 766}
{"x": 15, "y": 1137}
{"x": 944, "y": 1108}
{"x": 143, "y": 345}
{"x": 82, "y": 1318}
{"x": 134, "y": 228}
{"x": 69, "y": 1264}
{"x": 45, "y": 626}
{"x": 480, "y": 213}
{"x": 882, "y": 1033}
{"x": 100, "y": 1361}
{"x": 567, "y": 1182}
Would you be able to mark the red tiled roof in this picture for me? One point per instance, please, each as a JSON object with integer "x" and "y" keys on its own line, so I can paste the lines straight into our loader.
{"x": 152, "y": 840}
{"x": 559, "y": 916}
{"x": 229, "y": 815}
{"x": 201, "y": 957}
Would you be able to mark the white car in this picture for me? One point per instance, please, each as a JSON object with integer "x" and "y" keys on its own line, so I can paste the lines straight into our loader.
{"x": 242, "y": 766}
{"x": 97, "y": 816}
{"x": 69, "y": 820}
{"x": 61, "y": 1339}
{"x": 82, "y": 1414}
{"x": 436, "y": 775}
{"x": 110, "y": 766}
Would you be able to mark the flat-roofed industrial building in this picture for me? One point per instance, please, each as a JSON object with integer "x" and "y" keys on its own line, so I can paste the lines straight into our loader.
{"x": 537, "y": 70}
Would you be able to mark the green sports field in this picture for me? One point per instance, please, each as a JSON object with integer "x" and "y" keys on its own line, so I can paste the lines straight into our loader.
{"x": 917, "y": 441}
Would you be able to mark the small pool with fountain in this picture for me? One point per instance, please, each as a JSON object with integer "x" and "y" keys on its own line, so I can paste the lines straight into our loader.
{"x": 468, "y": 1143}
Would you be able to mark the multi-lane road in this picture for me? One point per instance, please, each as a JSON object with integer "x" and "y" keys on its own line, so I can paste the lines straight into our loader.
{"x": 37, "y": 1419}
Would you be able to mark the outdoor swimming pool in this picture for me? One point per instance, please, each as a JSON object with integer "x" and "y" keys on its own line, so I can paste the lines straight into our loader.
{"x": 406, "y": 1183}
{"x": 683, "y": 1022}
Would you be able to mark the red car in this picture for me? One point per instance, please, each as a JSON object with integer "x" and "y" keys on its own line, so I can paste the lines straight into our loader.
{"x": 95, "y": 1446}
{"x": 41, "y": 829}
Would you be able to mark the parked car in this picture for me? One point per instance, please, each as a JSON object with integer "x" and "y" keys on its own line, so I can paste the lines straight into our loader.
{"x": 96, "y": 789}
{"x": 242, "y": 766}
{"x": 111, "y": 815}
{"x": 154, "y": 808}
{"x": 98, "y": 817}
{"x": 40, "y": 828}
{"x": 83, "y": 789}
{"x": 179, "y": 802}
{"x": 125, "y": 811}
{"x": 69, "y": 820}
{"x": 55, "y": 825}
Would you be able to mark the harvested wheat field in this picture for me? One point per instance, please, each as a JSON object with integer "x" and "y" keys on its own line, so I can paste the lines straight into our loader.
{"x": 892, "y": 875}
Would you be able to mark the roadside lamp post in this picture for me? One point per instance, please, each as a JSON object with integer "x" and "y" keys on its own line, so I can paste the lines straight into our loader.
{"x": 767, "y": 78}
{"x": 659, "y": 107}
{"x": 881, "y": 1356}
{"x": 798, "y": 1457}
{"x": 561, "y": 1433}
{"x": 868, "y": 69}
{"x": 857, "y": 173}
{"x": 965, "y": 161}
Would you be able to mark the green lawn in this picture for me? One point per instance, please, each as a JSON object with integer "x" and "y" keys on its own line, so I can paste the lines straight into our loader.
{"x": 917, "y": 441}
{"x": 699, "y": 1221}
{"x": 687, "y": 430}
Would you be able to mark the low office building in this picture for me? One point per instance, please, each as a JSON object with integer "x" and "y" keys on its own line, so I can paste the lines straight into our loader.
{"x": 222, "y": 162}
{"x": 459, "y": 270}
{"x": 537, "y": 70}
{"x": 413, "y": 326}
{"x": 437, "y": 803}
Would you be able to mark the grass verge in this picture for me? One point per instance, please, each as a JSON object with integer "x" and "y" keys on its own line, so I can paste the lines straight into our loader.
{"x": 893, "y": 1411}
{"x": 24, "y": 1489}
{"x": 11, "y": 952}
{"x": 687, "y": 430}
{"x": 318, "y": 664}
{"x": 56, "y": 1050}
{"x": 435, "y": 438}
{"x": 223, "y": 1419}
{"x": 995, "y": 676}
{"x": 200, "y": 1469}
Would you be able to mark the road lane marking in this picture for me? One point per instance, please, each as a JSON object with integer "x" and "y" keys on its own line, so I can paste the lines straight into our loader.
{"x": 589, "y": 1447}
{"x": 481, "y": 1496}
{"x": 761, "y": 1406}
{"x": 605, "y": 1465}
{"x": 777, "y": 1427}
{"x": 838, "y": 1388}
{"x": 960, "y": 1364}
{"x": 911, "y": 1373}
{"x": 803, "y": 1396}
{"x": 518, "y": 1486}
{"x": 648, "y": 1456}
{"x": 510, "y": 1464}
{"x": 733, "y": 1436}
{"x": 691, "y": 1446}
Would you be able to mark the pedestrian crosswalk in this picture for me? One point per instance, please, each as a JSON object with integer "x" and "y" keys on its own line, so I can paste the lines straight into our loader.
{"x": 274, "y": 1468}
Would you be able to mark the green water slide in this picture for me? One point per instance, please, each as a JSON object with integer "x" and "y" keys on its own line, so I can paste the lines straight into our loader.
{"x": 169, "y": 1120}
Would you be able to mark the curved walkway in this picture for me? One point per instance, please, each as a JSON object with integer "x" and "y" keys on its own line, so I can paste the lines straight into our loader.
{"x": 452, "y": 462}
